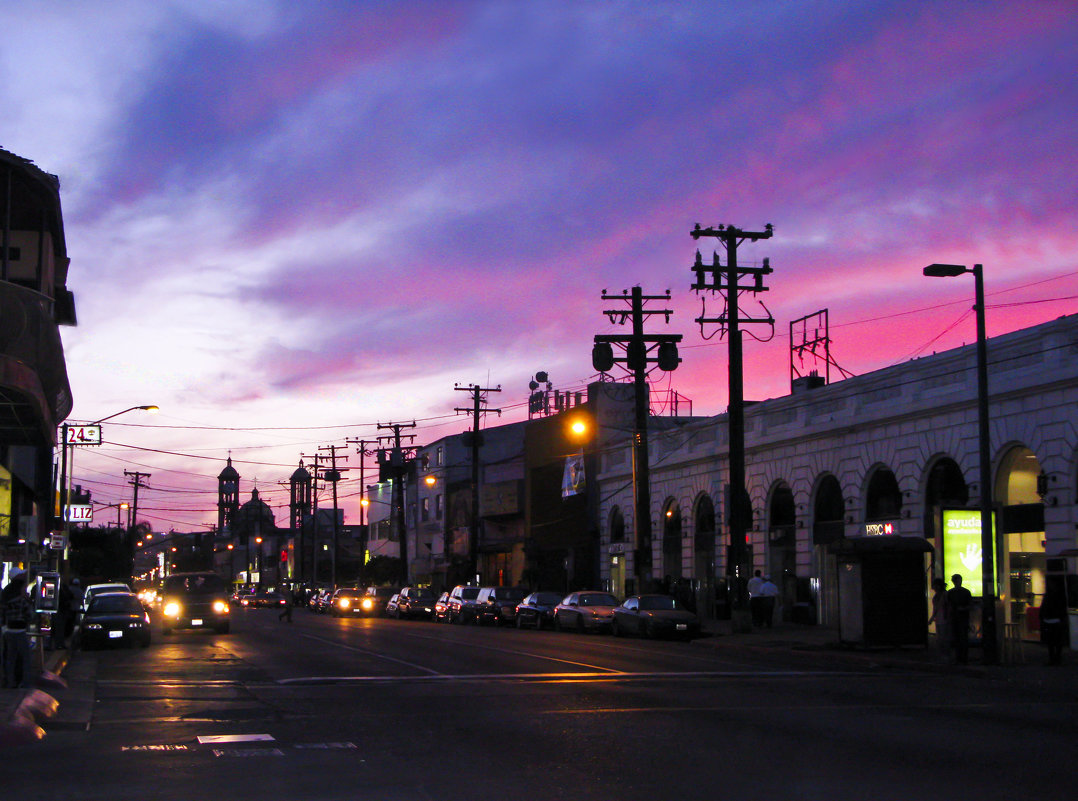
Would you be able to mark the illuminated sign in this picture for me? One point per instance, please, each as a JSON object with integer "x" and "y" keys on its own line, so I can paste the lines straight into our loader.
{"x": 962, "y": 547}
{"x": 880, "y": 529}
{"x": 83, "y": 435}
{"x": 79, "y": 513}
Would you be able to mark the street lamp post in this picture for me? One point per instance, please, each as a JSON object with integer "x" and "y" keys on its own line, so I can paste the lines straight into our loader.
{"x": 988, "y": 573}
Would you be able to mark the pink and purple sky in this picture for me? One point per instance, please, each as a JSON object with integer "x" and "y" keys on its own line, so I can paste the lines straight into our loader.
{"x": 289, "y": 222}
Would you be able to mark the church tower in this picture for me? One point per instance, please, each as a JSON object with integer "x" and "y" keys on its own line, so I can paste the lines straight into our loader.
{"x": 228, "y": 499}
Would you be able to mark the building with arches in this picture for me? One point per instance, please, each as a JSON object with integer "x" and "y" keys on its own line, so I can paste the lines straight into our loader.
{"x": 884, "y": 456}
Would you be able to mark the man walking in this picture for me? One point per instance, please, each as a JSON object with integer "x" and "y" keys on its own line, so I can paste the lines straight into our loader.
{"x": 756, "y": 601}
{"x": 18, "y": 612}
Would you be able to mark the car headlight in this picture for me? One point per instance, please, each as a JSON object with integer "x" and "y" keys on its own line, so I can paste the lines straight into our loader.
{"x": 345, "y": 603}
{"x": 172, "y": 609}
{"x": 220, "y": 607}
{"x": 367, "y": 604}
{"x": 93, "y": 626}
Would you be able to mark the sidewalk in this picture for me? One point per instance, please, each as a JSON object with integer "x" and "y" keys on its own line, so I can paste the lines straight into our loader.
{"x": 1027, "y": 665}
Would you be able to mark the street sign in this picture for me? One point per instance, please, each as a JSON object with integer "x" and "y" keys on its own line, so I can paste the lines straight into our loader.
{"x": 83, "y": 435}
{"x": 57, "y": 541}
{"x": 79, "y": 513}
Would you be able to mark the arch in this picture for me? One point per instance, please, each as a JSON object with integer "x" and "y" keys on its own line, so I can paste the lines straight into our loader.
{"x": 616, "y": 525}
{"x": 704, "y": 566}
{"x": 671, "y": 522}
{"x": 828, "y": 511}
{"x": 883, "y": 498}
{"x": 1020, "y": 534}
{"x": 704, "y": 523}
{"x": 944, "y": 487}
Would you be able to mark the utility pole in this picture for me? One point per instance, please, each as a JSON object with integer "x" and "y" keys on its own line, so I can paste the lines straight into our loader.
{"x": 364, "y": 537}
{"x": 315, "y": 459}
{"x": 399, "y": 469}
{"x": 479, "y": 399}
{"x": 640, "y": 350}
{"x": 727, "y": 279}
{"x": 333, "y": 475}
{"x": 136, "y": 482}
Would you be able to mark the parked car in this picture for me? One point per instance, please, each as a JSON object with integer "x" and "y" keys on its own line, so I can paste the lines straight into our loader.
{"x": 498, "y": 605}
{"x": 391, "y": 605}
{"x": 654, "y": 616}
{"x": 97, "y": 589}
{"x": 346, "y": 602}
{"x": 374, "y": 600}
{"x": 537, "y": 609}
{"x": 195, "y": 600}
{"x": 585, "y": 611}
{"x": 462, "y": 603}
{"x": 415, "y": 602}
{"x": 114, "y": 618}
{"x": 441, "y": 609}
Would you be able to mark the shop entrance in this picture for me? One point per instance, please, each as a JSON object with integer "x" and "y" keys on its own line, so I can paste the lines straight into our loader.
{"x": 1023, "y": 564}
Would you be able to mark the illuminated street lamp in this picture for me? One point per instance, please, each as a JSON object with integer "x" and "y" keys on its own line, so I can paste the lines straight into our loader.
{"x": 988, "y": 575}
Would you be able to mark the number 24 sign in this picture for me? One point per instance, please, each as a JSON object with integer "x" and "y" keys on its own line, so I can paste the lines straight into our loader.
{"x": 83, "y": 435}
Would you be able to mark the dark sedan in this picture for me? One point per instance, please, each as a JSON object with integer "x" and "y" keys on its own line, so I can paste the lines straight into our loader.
{"x": 537, "y": 609}
{"x": 115, "y": 618}
{"x": 655, "y": 616}
{"x": 585, "y": 611}
{"x": 346, "y": 602}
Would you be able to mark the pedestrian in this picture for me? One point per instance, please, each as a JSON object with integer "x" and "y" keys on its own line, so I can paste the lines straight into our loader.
{"x": 939, "y": 617}
{"x": 1054, "y": 619}
{"x": 62, "y": 618}
{"x": 769, "y": 593}
{"x": 286, "y": 613}
{"x": 18, "y": 613}
{"x": 959, "y": 602}
{"x": 756, "y": 606}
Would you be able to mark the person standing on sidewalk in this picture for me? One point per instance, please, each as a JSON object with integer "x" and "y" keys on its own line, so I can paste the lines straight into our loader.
{"x": 769, "y": 593}
{"x": 18, "y": 613}
{"x": 1054, "y": 619}
{"x": 756, "y": 605}
{"x": 939, "y": 617}
{"x": 959, "y": 602}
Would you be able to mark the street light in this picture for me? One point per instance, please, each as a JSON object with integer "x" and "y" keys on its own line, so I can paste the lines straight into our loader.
{"x": 988, "y": 574}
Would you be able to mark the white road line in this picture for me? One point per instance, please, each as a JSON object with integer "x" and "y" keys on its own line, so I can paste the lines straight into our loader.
{"x": 520, "y": 653}
{"x": 369, "y": 653}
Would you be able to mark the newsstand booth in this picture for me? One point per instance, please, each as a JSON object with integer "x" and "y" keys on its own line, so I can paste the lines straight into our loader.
{"x": 882, "y": 590}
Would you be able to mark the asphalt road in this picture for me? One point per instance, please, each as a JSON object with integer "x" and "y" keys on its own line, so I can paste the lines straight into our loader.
{"x": 328, "y": 708}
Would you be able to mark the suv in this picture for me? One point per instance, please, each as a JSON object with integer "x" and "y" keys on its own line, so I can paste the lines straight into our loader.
{"x": 498, "y": 604}
{"x": 195, "y": 600}
{"x": 462, "y": 603}
{"x": 415, "y": 602}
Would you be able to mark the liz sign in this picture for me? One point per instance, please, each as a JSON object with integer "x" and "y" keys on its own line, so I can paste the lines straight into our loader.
{"x": 962, "y": 550}
{"x": 82, "y": 435}
{"x": 79, "y": 513}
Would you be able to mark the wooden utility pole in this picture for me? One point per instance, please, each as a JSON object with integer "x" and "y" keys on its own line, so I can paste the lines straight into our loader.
{"x": 727, "y": 279}
{"x": 399, "y": 469}
{"x": 136, "y": 482}
{"x": 364, "y": 534}
{"x": 478, "y": 400}
{"x": 640, "y": 350}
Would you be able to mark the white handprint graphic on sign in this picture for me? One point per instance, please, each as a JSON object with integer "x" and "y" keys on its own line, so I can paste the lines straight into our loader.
{"x": 971, "y": 558}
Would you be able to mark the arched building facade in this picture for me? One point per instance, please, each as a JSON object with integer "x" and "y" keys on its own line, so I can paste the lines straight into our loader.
{"x": 887, "y": 454}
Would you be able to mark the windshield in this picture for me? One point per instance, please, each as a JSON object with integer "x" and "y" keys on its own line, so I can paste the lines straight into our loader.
{"x": 597, "y": 599}
{"x": 657, "y": 602}
{"x": 202, "y": 584}
{"x": 469, "y": 593}
{"x": 350, "y": 594}
{"x": 116, "y": 603}
{"x": 421, "y": 595}
{"x": 508, "y": 594}
{"x": 547, "y": 598}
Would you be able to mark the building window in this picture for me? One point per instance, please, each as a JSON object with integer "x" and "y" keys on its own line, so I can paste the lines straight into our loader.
{"x": 425, "y": 513}
{"x": 438, "y": 456}
{"x": 437, "y": 507}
